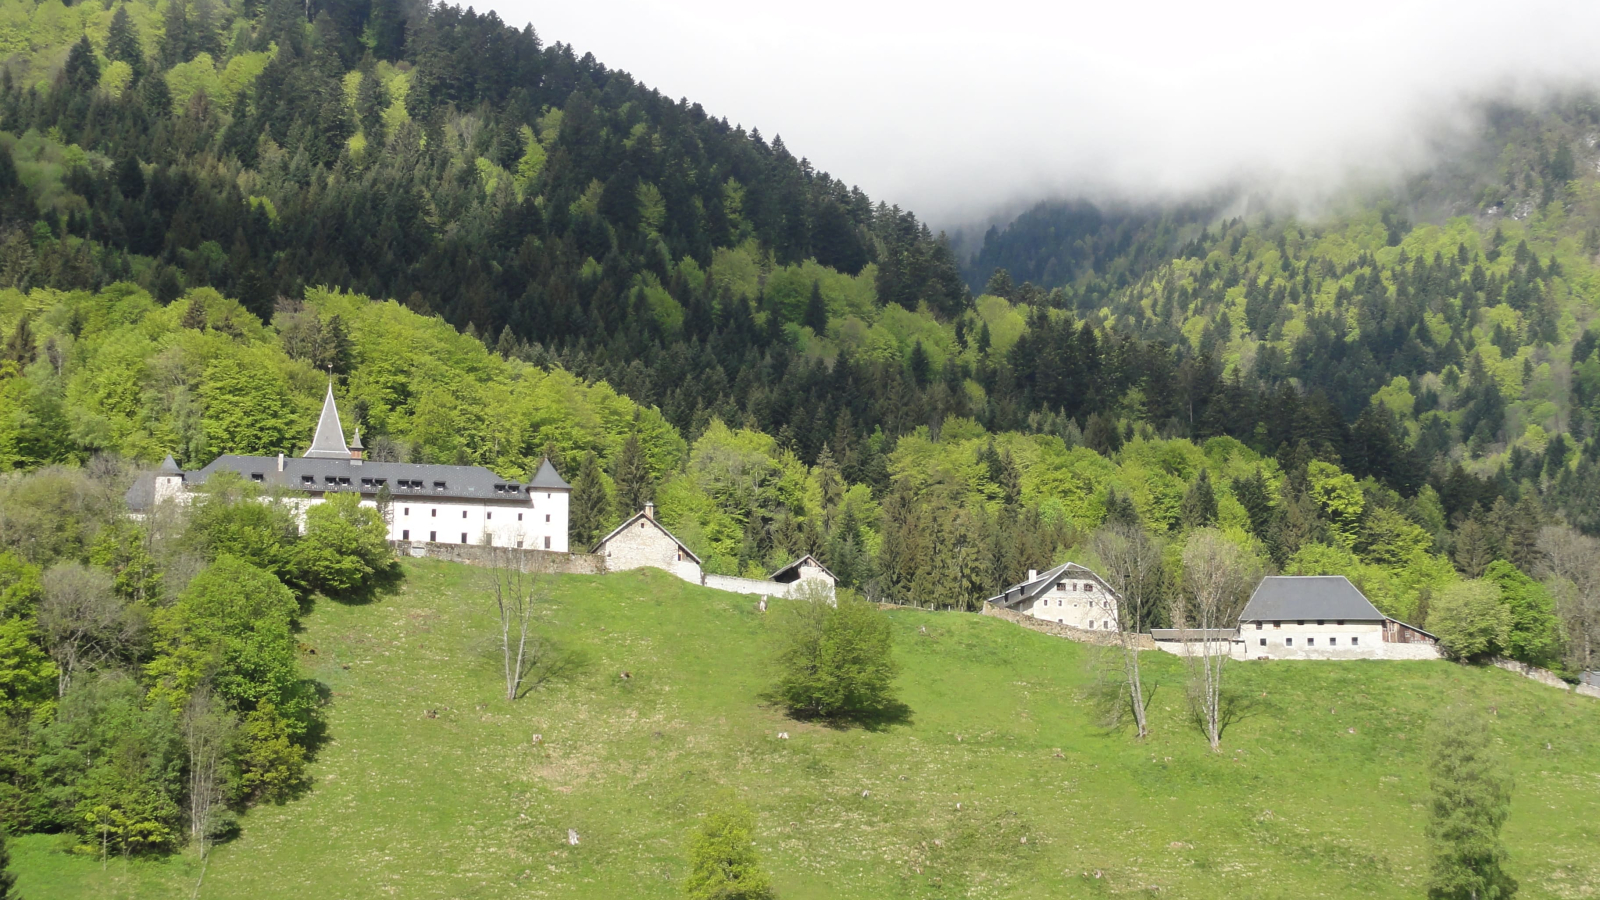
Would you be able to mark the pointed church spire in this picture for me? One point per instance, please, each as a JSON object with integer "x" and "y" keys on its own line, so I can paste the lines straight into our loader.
{"x": 329, "y": 440}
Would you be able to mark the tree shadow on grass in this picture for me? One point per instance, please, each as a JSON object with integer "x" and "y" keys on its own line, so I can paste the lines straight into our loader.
{"x": 875, "y": 719}
{"x": 1236, "y": 706}
{"x": 553, "y": 661}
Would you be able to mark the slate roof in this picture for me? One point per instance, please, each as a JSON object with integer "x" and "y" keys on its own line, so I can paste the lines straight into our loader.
{"x": 474, "y": 483}
{"x": 659, "y": 527}
{"x": 328, "y": 443}
{"x": 1029, "y": 590}
{"x": 1300, "y": 597}
{"x": 548, "y": 479}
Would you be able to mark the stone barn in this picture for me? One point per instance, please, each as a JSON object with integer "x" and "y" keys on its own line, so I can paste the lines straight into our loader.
{"x": 642, "y": 541}
{"x": 1324, "y": 617}
{"x": 1068, "y": 594}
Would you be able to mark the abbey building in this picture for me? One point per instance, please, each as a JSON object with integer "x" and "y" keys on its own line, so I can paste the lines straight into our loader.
{"x": 441, "y": 504}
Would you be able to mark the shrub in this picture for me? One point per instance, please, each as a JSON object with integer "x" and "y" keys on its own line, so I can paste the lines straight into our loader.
{"x": 834, "y": 661}
{"x": 345, "y": 550}
{"x": 722, "y": 861}
{"x": 1471, "y": 796}
{"x": 1470, "y": 620}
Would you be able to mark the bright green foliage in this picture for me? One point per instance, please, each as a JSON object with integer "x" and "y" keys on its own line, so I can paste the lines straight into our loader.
{"x": 1339, "y": 497}
{"x": 1471, "y": 798}
{"x": 231, "y": 626}
{"x": 271, "y": 766}
{"x": 27, "y": 676}
{"x": 231, "y": 519}
{"x": 345, "y": 551}
{"x": 834, "y": 661}
{"x": 1470, "y": 620}
{"x": 110, "y": 768}
{"x": 1535, "y": 636}
{"x": 723, "y": 864}
{"x": 249, "y": 409}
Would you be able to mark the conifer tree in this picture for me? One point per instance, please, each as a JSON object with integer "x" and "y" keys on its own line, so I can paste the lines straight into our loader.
{"x": 122, "y": 42}
{"x": 816, "y": 317}
{"x": 8, "y": 880}
{"x": 1199, "y": 503}
{"x": 82, "y": 70}
{"x": 591, "y": 508}
{"x": 20, "y": 347}
{"x": 632, "y": 477}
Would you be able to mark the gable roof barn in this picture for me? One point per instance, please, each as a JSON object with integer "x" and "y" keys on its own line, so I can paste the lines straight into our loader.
{"x": 1298, "y": 597}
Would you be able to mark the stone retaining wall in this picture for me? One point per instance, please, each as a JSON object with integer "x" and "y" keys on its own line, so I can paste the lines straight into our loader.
{"x": 478, "y": 555}
{"x": 1098, "y": 638}
{"x": 1545, "y": 677}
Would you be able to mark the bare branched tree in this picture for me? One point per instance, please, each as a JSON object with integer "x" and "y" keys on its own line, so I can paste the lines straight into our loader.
{"x": 519, "y": 586}
{"x": 1130, "y": 561}
{"x": 85, "y": 623}
{"x": 208, "y": 729}
{"x": 1217, "y": 578}
{"x": 1571, "y": 567}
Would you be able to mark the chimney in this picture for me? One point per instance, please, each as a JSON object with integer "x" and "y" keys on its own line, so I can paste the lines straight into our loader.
{"x": 1033, "y": 574}
{"x": 280, "y": 462}
{"x": 650, "y": 510}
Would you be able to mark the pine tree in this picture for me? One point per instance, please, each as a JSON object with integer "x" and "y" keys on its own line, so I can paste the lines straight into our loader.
{"x": 1471, "y": 797}
{"x": 175, "y": 35}
{"x": 122, "y": 42}
{"x": 82, "y": 70}
{"x": 8, "y": 879}
{"x": 1199, "y": 507}
{"x": 921, "y": 367}
{"x": 632, "y": 477}
{"x": 20, "y": 347}
{"x": 591, "y": 508}
{"x": 816, "y": 317}
{"x": 195, "y": 316}
{"x": 1120, "y": 509}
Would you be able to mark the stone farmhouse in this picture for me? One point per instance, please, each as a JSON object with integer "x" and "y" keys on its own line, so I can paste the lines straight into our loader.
{"x": 644, "y": 541}
{"x": 1068, "y": 594}
{"x": 438, "y": 504}
{"x": 1310, "y": 617}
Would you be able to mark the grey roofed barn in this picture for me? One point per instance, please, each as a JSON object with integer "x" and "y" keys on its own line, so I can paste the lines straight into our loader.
{"x": 1299, "y": 597}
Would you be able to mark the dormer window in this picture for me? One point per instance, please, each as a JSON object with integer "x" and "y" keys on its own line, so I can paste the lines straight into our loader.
{"x": 366, "y": 482}
{"x": 330, "y": 480}
{"x": 513, "y": 489}
{"x": 257, "y": 477}
{"x": 343, "y": 480}
{"x": 308, "y": 480}
{"x": 438, "y": 485}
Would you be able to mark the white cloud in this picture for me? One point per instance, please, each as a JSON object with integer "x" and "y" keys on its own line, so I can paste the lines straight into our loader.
{"x": 954, "y": 109}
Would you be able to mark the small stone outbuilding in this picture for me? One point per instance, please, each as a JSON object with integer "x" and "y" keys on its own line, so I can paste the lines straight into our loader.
{"x": 642, "y": 541}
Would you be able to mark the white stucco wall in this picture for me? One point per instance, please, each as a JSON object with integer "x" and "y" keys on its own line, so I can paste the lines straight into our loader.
{"x": 1376, "y": 648}
{"x": 1310, "y": 639}
{"x": 764, "y": 588}
{"x": 1076, "y": 601}
{"x": 539, "y": 525}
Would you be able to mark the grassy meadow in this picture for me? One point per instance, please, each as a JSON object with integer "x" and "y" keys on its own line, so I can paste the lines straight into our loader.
{"x": 1000, "y": 781}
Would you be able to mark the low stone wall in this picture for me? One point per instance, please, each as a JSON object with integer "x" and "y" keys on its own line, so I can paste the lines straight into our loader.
{"x": 1545, "y": 677}
{"x": 1082, "y": 635}
{"x": 738, "y": 585}
{"x": 478, "y": 555}
{"x": 1384, "y": 650}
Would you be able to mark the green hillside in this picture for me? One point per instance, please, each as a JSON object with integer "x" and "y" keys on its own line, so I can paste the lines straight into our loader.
{"x": 999, "y": 784}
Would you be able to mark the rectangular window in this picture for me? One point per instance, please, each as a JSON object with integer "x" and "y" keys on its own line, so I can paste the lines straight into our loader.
{"x": 407, "y": 511}
{"x": 405, "y": 535}
{"x": 366, "y": 482}
{"x": 1263, "y": 642}
{"x": 1277, "y": 624}
{"x": 1333, "y": 642}
{"x": 257, "y": 476}
{"x": 1288, "y": 642}
{"x": 1258, "y": 626}
{"x": 547, "y": 544}
{"x": 433, "y": 513}
{"x": 519, "y": 517}
{"x": 1302, "y": 622}
{"x": 433, "y": 535}
{"x": 463, "y": 537}
{"x": 1311, "y": 642}
{"x": 547, "y": 517}
{"x": 1340, "y": 622}
{"x": 343, "y": 480}
{"x": 1061, "y": 585}
{"x": 519, "y": 543}
{"x": 488, "y": 515}
{"x": 463, "y": 514}
{"x": 438, "y": 485}
{"x": 308, "y": 479}
{"x": 1319, "y": 621}
{"x": 1354, "y": 641}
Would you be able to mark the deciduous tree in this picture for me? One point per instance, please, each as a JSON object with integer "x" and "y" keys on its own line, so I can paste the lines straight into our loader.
{"x": 1470, "y": 801}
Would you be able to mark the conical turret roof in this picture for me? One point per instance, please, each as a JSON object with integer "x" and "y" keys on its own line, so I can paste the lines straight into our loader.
{"x": 169, "y": 466}
{"x": 328, "y": 443}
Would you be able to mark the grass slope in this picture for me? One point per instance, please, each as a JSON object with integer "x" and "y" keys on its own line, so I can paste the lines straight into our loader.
{"x": 1318, "y": 792}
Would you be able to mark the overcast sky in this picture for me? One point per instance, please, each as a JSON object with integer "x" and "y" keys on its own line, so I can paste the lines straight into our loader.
{"x": 956, "y": 110}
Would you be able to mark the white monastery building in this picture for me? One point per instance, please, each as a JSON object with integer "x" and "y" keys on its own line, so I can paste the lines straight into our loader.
{"x": 1069, "y": 594}
{"x": 439, "y": 504}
